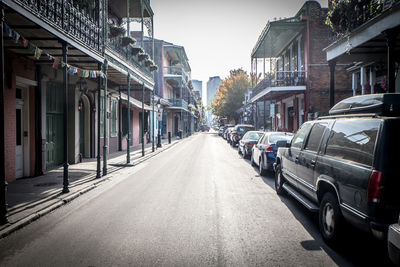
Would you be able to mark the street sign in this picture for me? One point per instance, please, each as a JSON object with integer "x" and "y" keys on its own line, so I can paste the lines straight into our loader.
{"x": 272, "y": 110}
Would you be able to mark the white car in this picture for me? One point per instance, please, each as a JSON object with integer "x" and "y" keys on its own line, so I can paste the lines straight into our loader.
{"x": 394, "y": 242}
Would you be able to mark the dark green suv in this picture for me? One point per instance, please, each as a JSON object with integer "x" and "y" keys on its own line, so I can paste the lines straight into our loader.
{"x": 346, "y": 166}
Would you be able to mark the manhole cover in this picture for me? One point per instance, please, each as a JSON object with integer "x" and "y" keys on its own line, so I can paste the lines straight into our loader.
{"x": 46, "y": 184}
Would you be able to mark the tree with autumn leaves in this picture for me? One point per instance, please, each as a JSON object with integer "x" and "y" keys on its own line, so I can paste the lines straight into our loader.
{"x": 230, "y": 95}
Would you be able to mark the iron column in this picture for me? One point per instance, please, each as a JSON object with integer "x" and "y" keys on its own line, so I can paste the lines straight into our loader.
{"x": 65, "y": 82}
{"x": 3, "y": 205}
{"x": 105, "y": 145}
{"x": 142, "y": 119}
{"x": 128, "y": 139}
{"x": 98, "y": 172}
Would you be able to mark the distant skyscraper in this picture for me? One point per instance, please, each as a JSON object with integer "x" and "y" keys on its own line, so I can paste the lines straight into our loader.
{"x": 212, "y": 87}
{"x": 198, "y": 86}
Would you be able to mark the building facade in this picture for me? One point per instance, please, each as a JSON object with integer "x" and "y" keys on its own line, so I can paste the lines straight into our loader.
{"x": 290, "y": 73}
{"x": 71, "y": 71}
{"x": 367, "y": 40}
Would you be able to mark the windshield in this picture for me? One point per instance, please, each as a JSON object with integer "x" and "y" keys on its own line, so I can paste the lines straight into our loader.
{"x": 254, "y": 136}
{"x": 278, "y": 137}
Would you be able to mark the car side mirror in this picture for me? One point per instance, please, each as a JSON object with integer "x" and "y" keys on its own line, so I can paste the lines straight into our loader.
{"x": 282, "y": 143}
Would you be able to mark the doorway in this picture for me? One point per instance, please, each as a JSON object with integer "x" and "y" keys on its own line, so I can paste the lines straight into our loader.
{"x": 19, "y": 151}
{"x": 84, "y": 126}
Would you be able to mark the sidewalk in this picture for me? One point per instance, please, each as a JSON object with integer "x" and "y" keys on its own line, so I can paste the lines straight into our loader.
{"x": 30, "y": 198}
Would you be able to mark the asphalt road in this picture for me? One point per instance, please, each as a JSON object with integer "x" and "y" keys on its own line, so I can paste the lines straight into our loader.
{"x": 198, "y": 203}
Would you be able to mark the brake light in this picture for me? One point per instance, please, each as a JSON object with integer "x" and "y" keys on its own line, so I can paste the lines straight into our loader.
{"x": 375, "y": 187}
{"x": 250, "y": 144}
{"x": 269, "y": 149}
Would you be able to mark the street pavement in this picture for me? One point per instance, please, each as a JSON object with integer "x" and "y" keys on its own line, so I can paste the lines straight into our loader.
{"x": 199, "y": 203}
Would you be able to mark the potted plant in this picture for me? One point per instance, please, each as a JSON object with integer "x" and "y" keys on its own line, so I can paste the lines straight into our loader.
{"x": 148, "y": 62}
{"x": 136, "y": 50}
{"x": 143, "y": 56}
{"x": 116, "y": 30}
{"x": 153, "y": 68}
{"x": 126, "y": 40}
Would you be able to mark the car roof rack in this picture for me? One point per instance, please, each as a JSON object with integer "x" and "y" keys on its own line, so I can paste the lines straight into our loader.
{"x": 378, "y": 104}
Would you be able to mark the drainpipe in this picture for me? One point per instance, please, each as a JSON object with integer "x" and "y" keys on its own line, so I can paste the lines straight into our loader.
{"x": 38, "y": 123}
{"x": 65, "y": 82}
{"x": 306, "y": 69}
{"x": 98, "y": 170}
{"x": 128, "y": 139}
{"x": 3, "y": 205}
{"x": 332, "y": 65}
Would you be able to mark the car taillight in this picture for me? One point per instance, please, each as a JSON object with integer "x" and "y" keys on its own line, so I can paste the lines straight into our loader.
{"x": 250, "y": 144}
{"x": 375, "y": 187}
{"x": 269, "y": 149}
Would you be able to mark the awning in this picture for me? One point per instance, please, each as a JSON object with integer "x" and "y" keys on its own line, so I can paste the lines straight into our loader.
{"x": 272, "y": 93}
{"x": 276, "y": 36}
{"x": 136, "y": 103}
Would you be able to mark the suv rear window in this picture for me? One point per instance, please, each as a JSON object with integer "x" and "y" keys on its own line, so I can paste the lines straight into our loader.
{"x": 244, "y": 129}
{"x": 354, "y": 140}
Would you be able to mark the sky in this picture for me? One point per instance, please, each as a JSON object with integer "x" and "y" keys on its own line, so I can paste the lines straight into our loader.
{"x": 218, "y": 35}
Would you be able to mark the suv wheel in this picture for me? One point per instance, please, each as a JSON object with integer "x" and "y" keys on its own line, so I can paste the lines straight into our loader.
{"x": 279, "y": 180}
{"x": 239, "y": 151}
{"x": 330, "y": 218}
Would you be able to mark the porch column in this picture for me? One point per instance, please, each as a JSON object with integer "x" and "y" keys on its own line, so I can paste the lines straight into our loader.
{"x": 142, "y": 119}
{"x": 372, "y": 78}
{"x": 354, "y": 83}
{"x": 363, "y": 79}
{"x": 264, "y": 124}
{"x": 3, "y": 205}
{"x": 332, "y": 65}
{"x": 128, "y": 139}
{"x": 105, "y": 143}
{"x": 65, "y": 84}
{"x": 391, "y": 35}
{"x": 98, "y": 171}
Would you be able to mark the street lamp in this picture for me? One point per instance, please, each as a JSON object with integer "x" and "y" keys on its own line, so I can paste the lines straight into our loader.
{"x": 159, "y": 123}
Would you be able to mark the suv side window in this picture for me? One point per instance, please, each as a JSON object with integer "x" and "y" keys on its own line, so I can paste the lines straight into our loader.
{"x": 301, "y": 135}
{"x": 354, "y": 140}
{"x": 315, "y": 136}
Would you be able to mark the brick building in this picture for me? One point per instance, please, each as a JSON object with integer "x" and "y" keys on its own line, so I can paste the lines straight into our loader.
{"x": 292, "y": 85}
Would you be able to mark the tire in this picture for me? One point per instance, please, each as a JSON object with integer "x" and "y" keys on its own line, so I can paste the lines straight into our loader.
{"x": 239, "y": 151}
{"x": 330, "y": 219}
{"x": 252, "y": 161}
{"x": 244, "y": 153}
{"x": 279, "y": 180}
{"x": 261, "y": 170}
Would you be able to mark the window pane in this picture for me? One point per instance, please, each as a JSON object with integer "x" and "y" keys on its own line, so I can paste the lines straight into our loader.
{"x": 278, "y": 137}
{"x": 315, "y": 136}
{"x": 354, "y": 140}
{"x": 301, "y": 134}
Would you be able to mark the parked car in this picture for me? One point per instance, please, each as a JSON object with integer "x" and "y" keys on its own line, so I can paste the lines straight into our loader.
{"x": 345, "y": 166}
{"x": 228, "y": 135}
{"x": 238, "y": 132}
{"x": 246, "y": 144}
{"x": 264, "y": 152}
{"x": 226, "y": 132}
{"x": 394, "y": 242}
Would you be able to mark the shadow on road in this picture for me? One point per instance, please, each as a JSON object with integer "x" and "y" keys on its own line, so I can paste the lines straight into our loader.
{"x": 358, "y": 248}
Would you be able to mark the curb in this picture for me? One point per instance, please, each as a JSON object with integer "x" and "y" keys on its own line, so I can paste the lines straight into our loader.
{"x": 63, "y": 201}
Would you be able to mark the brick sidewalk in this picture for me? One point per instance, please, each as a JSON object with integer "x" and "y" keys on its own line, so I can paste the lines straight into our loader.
{"x": 30, "y": 198}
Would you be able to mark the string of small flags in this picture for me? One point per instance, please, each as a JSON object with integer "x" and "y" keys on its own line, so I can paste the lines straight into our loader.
{"x": 57, "y": 62}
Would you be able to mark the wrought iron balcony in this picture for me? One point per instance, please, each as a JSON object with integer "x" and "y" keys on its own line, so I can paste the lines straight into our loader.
{"x": 280, "y": 79}
{"x": 176, "y": 71}
{"x": 178, "y": 103}
{"x": 346, "y": 16}
{"x": 128, "y": 53}
{"x": 71, "y": 21}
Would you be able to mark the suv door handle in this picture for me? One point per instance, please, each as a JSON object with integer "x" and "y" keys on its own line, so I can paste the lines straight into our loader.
{"x": 312, "y": 163}
{"x": 296, "y": 159}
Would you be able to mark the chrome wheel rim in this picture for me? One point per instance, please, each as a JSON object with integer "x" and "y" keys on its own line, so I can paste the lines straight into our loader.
{"x": 328, "y": 219}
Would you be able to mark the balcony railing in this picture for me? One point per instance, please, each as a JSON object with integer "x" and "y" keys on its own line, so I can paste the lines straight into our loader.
{"x": 345, "y": 16}
{"x": 126, "y": 52}
{"x": 173, "y": 70}
{"x": 178, "y": 103}
{"x": 62, "y": 15}
{"x": 280, "y": 79}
